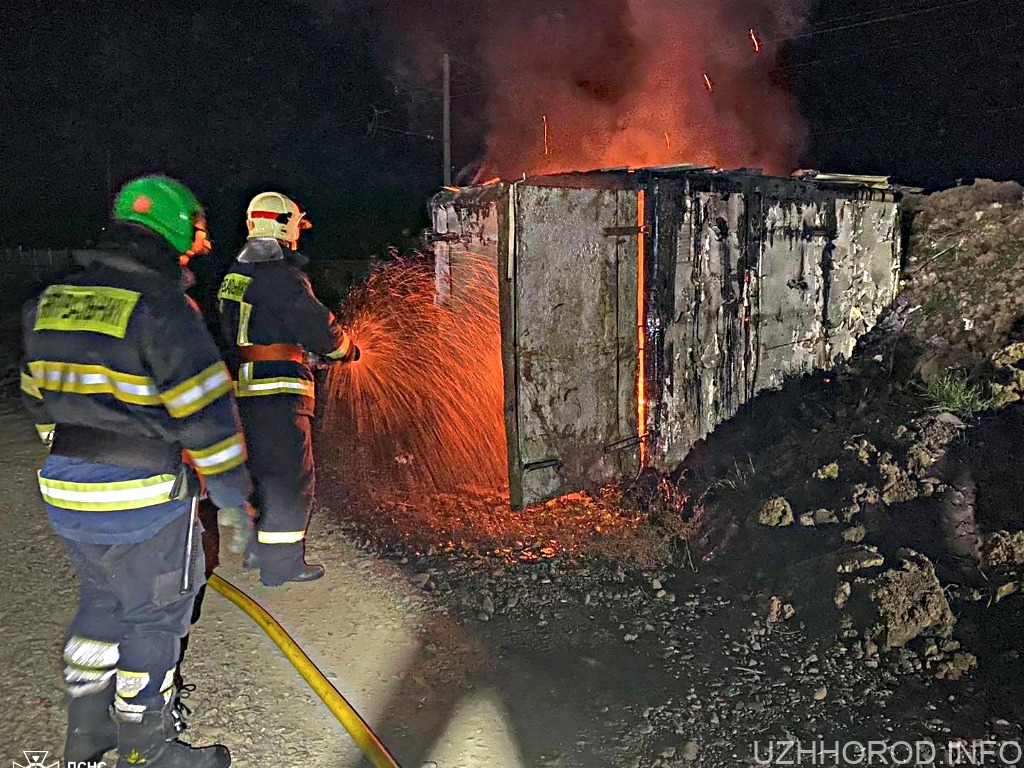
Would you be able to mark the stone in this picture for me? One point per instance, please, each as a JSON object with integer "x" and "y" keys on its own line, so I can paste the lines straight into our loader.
{"x": 1003, "y": 548}
{"x": 855, "y": 534}
{"x": 828, "y": 472}
{"x": 904, "y": 603}
{"x": 824, "y": 517}
{"x": 842, "y": 593}
{"x": 776, "y": 512}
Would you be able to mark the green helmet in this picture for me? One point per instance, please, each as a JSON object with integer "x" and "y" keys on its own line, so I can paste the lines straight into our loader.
{"x": 161, "y": 204}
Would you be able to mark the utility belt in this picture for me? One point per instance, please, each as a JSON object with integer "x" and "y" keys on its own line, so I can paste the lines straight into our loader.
{"x": 146, "y": 454}
{"x": 271, "y": 353}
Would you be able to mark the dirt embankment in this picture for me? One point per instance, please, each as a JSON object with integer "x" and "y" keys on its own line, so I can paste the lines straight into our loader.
{"x": 965, "y": 273}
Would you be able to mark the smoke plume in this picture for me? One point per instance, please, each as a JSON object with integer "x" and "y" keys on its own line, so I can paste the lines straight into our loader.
{"x": 582, "y": 84}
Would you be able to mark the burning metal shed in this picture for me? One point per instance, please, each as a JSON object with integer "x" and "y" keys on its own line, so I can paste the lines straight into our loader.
{"x": 641, "y": 308}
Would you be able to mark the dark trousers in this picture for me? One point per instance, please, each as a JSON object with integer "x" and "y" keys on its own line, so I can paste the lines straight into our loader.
{"x": 280, "y": 444}
{"x": 132, "y": 616}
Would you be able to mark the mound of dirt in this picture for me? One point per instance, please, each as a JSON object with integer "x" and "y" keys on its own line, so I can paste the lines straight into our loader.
{"x": 965, "y": 272}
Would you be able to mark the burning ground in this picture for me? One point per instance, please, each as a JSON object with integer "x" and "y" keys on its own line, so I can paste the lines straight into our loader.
{"x": 841, "y": 558}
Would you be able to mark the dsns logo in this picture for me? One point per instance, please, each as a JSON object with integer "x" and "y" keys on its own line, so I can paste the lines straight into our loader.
{"x": 38, "y": 760}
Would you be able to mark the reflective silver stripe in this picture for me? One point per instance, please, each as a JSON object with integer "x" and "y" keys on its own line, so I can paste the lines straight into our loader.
{"x": 280, "y": 537}
{"x": 92, "y": 379}
{"x": 217, "y": 378}
{"x": 86, "y": 652}
{"x": 271, "y": 385}
{"x": 87, "y": 675}
{"x": 291, "y": 386}
{"x": 220, "y": 457}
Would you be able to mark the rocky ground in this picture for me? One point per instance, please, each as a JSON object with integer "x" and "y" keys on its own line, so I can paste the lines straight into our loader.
{"x": 840, "y": 562}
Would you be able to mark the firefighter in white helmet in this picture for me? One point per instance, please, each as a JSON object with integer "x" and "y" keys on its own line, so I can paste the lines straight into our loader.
{"x": 272, "y": 320}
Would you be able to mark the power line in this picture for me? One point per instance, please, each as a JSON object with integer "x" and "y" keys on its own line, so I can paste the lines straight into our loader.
{"x": 913, "y": 48}
{"x": 892, "y": 123}
{"x": 894, "y": 17}
{"x": 814, "y": 33}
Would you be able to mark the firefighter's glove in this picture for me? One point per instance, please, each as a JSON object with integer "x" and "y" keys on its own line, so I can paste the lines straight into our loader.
{"x": 243, "y": 524}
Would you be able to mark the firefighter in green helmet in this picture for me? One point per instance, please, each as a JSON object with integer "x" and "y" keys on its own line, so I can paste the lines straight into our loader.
{"x": 122, "y": 379}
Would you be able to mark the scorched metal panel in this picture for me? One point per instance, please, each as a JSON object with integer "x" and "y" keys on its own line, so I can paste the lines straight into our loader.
{"x": 575, "y": 267}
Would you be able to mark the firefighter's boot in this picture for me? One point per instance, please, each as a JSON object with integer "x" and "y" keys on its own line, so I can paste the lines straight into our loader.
{"x": 153, "y": 742}
{"x": 92, "y": 732}
{"x": 306, "y": 573}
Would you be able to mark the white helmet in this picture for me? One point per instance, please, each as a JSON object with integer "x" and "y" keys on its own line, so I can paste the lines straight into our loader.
{"x": 271, "y": 214}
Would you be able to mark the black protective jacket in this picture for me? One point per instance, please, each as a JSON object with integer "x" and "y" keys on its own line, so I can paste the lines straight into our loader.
{"x": 120, "y": 368}
{"x": 266, "y": 299}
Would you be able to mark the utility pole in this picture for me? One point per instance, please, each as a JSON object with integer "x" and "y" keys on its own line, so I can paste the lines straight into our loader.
{"x": 446, "y": 128}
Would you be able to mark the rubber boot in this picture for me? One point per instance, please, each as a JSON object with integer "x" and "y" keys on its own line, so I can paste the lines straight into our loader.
{"x": 306, "y": 573}
{"x": 92, "y": 732}
{"x": 154, "y": 742}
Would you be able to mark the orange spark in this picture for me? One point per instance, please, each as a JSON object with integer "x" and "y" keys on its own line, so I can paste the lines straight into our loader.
{"x": 755, "y": 40}
{"x": 547, "y": 149}
{"x": 708, "y": 84}
{"x": 412, "y": 443}
{"x": 422, "y": 410}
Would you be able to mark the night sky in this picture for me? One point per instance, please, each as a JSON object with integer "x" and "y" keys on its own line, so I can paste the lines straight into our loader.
{"x": 232, "y": 97}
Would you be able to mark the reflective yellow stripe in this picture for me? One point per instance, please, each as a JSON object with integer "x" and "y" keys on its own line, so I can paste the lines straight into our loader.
{"x": 30, "y": 386}
{"x": 45, "y": 432}
{"x": 225, "y": 455}
{"x": 78, "y": 379}
{"x": 106, "y": 497}
{"x": 280, "y": 537}
{"x": 343, "y": 350}
{"x": 196, "y": 393}
{"x": 233, "y": 288}
{"x": 130, "y": 684}
{"x": 276, "y": 385}
{"x": 94, "y": 308}
{"x": 244, "y": 312}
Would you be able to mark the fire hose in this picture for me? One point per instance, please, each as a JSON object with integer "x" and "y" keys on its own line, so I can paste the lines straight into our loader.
{"x": 357, "y": 728}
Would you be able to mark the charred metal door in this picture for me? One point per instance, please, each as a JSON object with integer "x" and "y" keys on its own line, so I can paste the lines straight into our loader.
{"x": 571, "y": 293}
{"x": 703, "y": 308}
{"x": 792, "y": 287}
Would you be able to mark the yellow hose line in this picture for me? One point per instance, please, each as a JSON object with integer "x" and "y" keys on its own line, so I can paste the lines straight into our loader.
{"x": 357, "y": 728}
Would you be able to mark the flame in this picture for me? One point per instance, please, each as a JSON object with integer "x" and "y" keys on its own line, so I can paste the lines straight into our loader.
{"x": 615, "y": 77}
